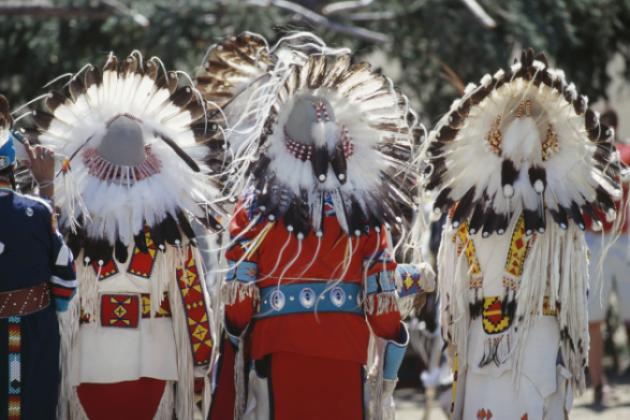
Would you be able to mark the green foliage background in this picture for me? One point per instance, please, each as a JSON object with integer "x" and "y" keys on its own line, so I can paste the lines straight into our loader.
{"x": 579, "y": 36}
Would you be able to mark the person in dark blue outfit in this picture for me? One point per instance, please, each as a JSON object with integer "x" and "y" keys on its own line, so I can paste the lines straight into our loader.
{"x": 37, "y": 281}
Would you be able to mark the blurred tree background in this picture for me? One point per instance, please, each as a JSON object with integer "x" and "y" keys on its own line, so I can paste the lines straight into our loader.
{"x": 437, "y": 45}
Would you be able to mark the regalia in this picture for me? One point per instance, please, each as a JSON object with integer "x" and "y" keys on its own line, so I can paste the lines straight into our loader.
{"x": 131, "y": 189}
{"x": 517, "y": 163}
{"x": 321, "y": 159}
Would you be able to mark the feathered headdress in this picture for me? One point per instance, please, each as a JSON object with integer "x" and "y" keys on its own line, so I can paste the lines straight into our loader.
{"x": 7, "y": 150}
{"x": 130, "y": 135}
{"x": 13, "y": 152}
{"x": 306, "y": 123}
{"x": 522, "y": 141}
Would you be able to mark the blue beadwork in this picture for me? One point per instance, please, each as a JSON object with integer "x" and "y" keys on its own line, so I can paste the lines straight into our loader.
{"x": 311, "y": 297}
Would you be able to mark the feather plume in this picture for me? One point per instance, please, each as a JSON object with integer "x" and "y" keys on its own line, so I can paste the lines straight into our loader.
{"x": 524, "y": 140}
{"x": 258, "y": 86}
{"x": 119, "y": 201}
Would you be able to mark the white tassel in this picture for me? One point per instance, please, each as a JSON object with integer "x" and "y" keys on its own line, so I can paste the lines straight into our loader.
{"x": 184, "y": 398}
{"x": 73, "y": 202}
{"x": 239, "y": 381}
{"x": 381, "y": 303}
{"x": 64, "y": 256}
{"x": 165, "y": 409}
{"x": 76, "y": 409}
{"x": 88, "y": 290}
{"x": 236, "y": 291}
{"x": 68, "y": 359}
{"x": 375, "y": 378}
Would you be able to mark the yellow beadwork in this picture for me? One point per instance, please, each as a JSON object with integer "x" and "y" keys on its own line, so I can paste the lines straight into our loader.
{"x": 495, "y": 138}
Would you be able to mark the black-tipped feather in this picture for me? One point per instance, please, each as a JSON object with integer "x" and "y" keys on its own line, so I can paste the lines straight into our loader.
{"x": 320, "y": 163}
{"x": 589, "y": 210}
{"x": 171, "y": 230}
{"x": 538, "y": 176}
{"x": 157, "y": 235}
{"x": 42, "y": 119}
{"x": 477, "y": 218}
{"x": 339, "y": 164}
{"x": 98, "y": 250}
{"x": 489, "y": 222}
{"x": 443, "y": 200}
{"x": 121, "y": 253}
{"x": 182, "y": 96}
{"x": 75, "y": 243}
{"x": 77, "y": 88}
{"x": 356, "y": 218}
{"x": 531, "y": 218}
{"x": 140, "y": 241}
{"x": 92, "y": 77}
{"x": 509, "y": 173}
{"x": 501, "y": 223}
{"x": 464, "y": 207}
{"x": 185, "y": 226}
{"x": 604, "y": 198}
{"x": 576, "y": 215}
{"x": 297, "y": 217}
{"x": 447, "y": 134}
{"x": 54, "y": 100}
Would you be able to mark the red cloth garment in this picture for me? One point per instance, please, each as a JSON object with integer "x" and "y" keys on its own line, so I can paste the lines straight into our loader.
{"x": 339, "y": 336}
{"x": 312, "y": 388}
{"x": 130, "y": 400}
{"x": 222, "y": 406}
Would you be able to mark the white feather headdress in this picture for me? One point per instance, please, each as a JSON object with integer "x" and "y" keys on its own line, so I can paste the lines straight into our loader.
{"x": 109, "y": 205}
{"x": 371, "y": 174}
{"x": 5, "y": 127}
{"x": 523, "y": 141}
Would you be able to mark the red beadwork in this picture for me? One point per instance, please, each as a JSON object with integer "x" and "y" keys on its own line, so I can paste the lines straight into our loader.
{"x": 101, "y": 168}
{"x": 321, "y": 113}
{"x": 304, "y": 152}
{"x": 298, "y": 150}
{"x": 346, "y": 142}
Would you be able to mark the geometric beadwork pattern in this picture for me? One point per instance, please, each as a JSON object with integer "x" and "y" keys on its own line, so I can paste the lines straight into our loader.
{"x": 468, "y": 247}
{"x": 15, "y": 367}
{"x": 494, "y": 319}
{"x": 484, "y": 414}
{"x": 120, "y": 311}
{"x": 118, "y": 307}
{"x": 108, "y": 269}
{"x": 141, "y": 263}
{"x": 515, "y": 262}
{"x": 411, "y": 281}
{"x": 518, "y": 249}
{"x": 196, "y": 310}
{"x": 164, "y": 311}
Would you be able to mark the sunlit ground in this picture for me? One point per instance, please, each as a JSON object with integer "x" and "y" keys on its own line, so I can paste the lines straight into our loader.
{"x": 409, "y": 406}
{"x": 410, "y": 402}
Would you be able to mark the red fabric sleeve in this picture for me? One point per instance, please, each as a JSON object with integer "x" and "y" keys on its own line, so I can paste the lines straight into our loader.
{"x": 243, "y": 231}
{"x": 379, "y": 260}
{"x": 239, "y": 314}
{"x": 377, "y": 254}
{"x": 385, "y": 325}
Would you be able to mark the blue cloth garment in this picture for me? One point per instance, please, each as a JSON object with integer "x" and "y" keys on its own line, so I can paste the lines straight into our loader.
{"x": 32, "y": 252}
